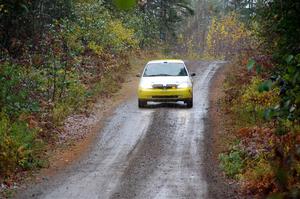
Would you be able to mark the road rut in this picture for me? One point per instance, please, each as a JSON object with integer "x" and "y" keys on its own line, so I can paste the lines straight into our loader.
{"x": 156, "y": 152}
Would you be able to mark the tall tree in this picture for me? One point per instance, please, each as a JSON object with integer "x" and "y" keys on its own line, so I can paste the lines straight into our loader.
{"x": 169, "y": 13}
{"x": 26, "y": 19}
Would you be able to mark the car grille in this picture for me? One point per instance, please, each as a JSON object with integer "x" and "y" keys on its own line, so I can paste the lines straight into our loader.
{"x": 165, "y": 97}
{"x": 167, "y": 86}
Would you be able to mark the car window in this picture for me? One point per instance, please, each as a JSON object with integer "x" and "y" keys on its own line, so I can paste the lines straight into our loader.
{"x": 165, "y": 69}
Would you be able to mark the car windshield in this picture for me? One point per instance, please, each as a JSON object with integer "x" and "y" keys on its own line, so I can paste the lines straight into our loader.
{"x": 165, "y": 69}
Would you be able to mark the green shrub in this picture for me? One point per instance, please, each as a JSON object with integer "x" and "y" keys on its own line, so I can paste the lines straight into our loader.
{"x": 108, "y": 85}
{"x": 97, "y": 30}
{"x": 253, "y": 98}
{"x": 73, "y": 99}
{"x": 251, "y": 104}
{"x": 232, "y": 163}
{"x": 15, "y": 90}
{"x": 19, "y": 146}
{"x": 259, "y": 169}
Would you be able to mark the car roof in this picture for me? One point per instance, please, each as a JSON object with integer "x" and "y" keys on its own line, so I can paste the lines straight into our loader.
{"x": 166, "y": 61}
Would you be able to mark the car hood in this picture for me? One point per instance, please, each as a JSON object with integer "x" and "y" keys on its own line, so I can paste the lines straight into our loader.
{"x": 165, "y": 80}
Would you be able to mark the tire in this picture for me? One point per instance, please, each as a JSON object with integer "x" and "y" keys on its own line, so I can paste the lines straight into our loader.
{"x": 189, "y": 103}
{"x": 142, "y": 103}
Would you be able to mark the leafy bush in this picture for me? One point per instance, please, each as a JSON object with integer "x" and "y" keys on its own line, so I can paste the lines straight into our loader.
{"x": 232, "y": 163}
{"x": 253, "y": 98}
{"x": 112, "y": 77}
{"x": 251, "y": 104}
{"x": 73, "y": 100}
{"x": 94, "y": 28}
{"x": 271, "y": 146}
{"x": 270, "y": 160}
{"x": 15, "y": 91}
{"x": 19, "y": 146}
{"x": 121, "y": 38}
{"x": 259, "y": 178}
{"x": 271, "y": 163}
{"x": 228, "y": 36}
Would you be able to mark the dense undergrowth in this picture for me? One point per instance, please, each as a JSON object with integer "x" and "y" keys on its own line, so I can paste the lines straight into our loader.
{"x": 261, "y": 103}
{"x": 260, "y": 158}
{"x": 72, "y": 63}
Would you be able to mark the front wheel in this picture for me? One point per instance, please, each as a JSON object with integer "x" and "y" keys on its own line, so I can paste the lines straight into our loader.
{"x": 189, "y": 103}
{"x": 142, "y": 103}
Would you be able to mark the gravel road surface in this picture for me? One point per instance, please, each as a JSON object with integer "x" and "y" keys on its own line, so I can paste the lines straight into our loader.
{"x": 156, "y": 152}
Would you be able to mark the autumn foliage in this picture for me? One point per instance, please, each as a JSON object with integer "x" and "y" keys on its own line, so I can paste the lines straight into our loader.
{"x": 261, "y": 94}
{"x": 228, "y": 36}
{"x": 58, "y": 57}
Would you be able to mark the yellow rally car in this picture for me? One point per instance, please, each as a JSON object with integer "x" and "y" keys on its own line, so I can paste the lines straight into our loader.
{"x": 165, "y": 81}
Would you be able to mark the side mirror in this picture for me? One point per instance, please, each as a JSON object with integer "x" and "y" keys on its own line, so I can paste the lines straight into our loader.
{"x": 138, "y": 75}
{"x": 193, "y": 74}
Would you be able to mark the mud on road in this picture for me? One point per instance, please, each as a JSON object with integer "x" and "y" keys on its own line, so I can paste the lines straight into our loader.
{"x": 156, "y": 152}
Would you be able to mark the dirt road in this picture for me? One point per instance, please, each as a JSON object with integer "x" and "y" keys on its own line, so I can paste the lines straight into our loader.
{"x": 155, "y": 152}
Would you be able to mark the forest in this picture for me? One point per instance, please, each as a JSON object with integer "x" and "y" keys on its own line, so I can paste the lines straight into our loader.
{"x": 58, "y": 56}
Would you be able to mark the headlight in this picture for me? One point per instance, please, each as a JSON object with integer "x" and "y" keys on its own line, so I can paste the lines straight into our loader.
{"x": 145, "y": 86}
{"x": 184, "y": 85}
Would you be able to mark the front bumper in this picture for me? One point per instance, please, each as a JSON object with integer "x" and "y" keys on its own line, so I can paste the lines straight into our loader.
{"x": 163, "y": 95}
